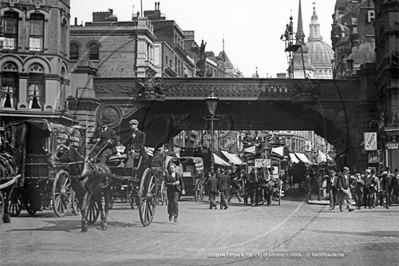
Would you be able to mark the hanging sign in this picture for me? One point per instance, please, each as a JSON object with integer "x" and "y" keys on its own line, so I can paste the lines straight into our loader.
{"x": 370, "y": 141}
{"x": 263, "y": 163}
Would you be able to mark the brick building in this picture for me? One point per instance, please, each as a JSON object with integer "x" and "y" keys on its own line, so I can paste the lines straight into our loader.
{"x": 34, "y": 73}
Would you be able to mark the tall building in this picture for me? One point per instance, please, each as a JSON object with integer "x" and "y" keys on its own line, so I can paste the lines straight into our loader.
{"x": 386, "y": 26}
{"x": 300, "y": 65}
{"x": 35, "y": 70}
{"x": 319, "y": 52}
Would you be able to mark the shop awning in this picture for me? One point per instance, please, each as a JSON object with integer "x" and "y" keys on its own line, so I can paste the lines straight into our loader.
{"x": 279, "y": 151}
{"x": 303, "y": 157}
{"x": 321, "y": 157}
{"x": 220, "y": 161}
{"x": 233, "y": 159}
{"x": 250, "y": 149}
{"x": 293, "y": 158}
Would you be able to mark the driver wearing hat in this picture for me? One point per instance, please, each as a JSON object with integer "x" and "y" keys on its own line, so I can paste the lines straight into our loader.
{"x": 100, "y": 137}
{"x": 134, "y": 143}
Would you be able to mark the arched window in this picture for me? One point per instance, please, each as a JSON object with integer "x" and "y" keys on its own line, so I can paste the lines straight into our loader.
{"x": 94, "y": 52}
{"x": 9, "y": 86}
{"x": 10, "y": 30}
{"x": 36, "y": 87}
{"x": 36, "y": 38}
{"x": 74, "y": 51}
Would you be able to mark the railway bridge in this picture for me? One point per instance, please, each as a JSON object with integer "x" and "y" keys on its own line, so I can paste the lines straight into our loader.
{"x": 338, "y": 110}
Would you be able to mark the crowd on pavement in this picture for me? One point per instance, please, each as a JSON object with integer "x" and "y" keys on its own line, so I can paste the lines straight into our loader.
{"x": 366, "y": 189}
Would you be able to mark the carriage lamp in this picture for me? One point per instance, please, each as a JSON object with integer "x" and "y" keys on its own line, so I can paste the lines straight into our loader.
{"x": 212, "y": 103}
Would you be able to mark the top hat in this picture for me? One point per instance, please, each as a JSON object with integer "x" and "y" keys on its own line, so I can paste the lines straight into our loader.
{"x": 105, "y": 120}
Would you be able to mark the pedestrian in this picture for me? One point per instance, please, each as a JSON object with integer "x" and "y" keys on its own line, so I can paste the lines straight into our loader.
{"x": 106, "y": 140}
{"x": 234, "y": 189}
{"x": 395, "y": 186}
{"x": 319, "y": 183}
{"x": 344, "y": 190}
{"x": 223, "y": 187}
{"x": 374, "y": 188}
{"x": 175, "y": 185}
{"x": 134, "y": 143}
{"x": 333, "y": 189}
{"x": 358, "y": 187}
{"x": 309, "y": 186}
{"x": 212, "y": 185}
{"x": 385, "y": 186}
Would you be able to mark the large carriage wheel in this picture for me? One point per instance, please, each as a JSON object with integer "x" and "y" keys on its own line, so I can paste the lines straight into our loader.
{"x": 147, "y": 197}
{"x": 29, "y": 205}
{"x": 201, "y": 193}
{"x": 92, "y": 212}
{"x": 62, "y": 193}
{"x": 1, "y": 207}
{"x": 14, "y": 207}
{"x": 164, "y": 194}
{"x": 280, "y": 187}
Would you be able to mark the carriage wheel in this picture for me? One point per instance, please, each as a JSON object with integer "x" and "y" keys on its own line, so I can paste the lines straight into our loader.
{"x": 1, "y": 206}
{"x": 279, "y": 194}
{"x": 29, "y": 204}
{"x": 92, "y": 212}
{"x": 62, "y": 193}
{"x": 75, "y": 204}
{"x": 147, "y": 197}
{"x": 164, "y": 194}
{"x": 14, "y": 207}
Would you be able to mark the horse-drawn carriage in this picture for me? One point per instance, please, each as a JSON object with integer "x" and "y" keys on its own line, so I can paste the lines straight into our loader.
{"x": 32, "y": 143}
{"x": 55, "y": 170}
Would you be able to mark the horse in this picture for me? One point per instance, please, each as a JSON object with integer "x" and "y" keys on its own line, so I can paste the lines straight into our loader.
{"x": 8, "y": 168}
{"x": 89, "y": 180}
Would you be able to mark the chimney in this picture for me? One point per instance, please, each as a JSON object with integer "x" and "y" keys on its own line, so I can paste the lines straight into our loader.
{"x": 155, "y": 6}
{"x": 159, "y": 3}
{"x": 76, "y": 21}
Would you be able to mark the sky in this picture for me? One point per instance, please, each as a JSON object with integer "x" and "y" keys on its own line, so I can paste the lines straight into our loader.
{"x": 251, "y": 29}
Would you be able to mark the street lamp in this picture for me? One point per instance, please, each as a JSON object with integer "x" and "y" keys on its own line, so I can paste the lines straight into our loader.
{"x": 212, "y": 103}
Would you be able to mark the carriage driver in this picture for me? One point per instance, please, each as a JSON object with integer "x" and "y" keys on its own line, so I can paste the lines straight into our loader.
{"x": 134, "y": 143}
{"x": 101, "y": 136}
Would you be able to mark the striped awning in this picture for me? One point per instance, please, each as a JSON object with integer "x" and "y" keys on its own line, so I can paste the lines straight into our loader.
{"x": 233, "y": 159}
{"x": 220, "y": 161}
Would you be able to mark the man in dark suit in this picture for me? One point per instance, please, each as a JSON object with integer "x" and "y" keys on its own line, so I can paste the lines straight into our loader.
{"x": 134, "y": 143}
{"x": 212, "y": 185}
{"x": 344, "y": 190}
{"x": 224, "y": 184}
{"x": 103, "y": 135}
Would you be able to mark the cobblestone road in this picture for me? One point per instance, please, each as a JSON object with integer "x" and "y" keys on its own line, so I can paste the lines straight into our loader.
{"x": 295, "y": 233}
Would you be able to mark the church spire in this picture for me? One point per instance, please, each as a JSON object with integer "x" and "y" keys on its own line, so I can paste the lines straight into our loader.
{"x": 314, "y": 27}
{"x": 300, "y": 35}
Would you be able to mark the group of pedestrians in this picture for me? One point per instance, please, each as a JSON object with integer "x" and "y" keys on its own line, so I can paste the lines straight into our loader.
{"x": 366, "y": 189}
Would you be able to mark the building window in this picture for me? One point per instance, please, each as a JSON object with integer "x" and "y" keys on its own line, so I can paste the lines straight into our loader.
{"x": 36, "y": 32}
{"x": 94, "y": 52}
{"x": 74, "y": 51}
{"x": 9, "y": 86}
{"x": 36, "y": 87}
{"x": 10, "y": 31}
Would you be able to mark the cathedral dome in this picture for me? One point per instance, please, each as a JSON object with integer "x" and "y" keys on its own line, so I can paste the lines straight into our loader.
{"x": 320, "y": 54}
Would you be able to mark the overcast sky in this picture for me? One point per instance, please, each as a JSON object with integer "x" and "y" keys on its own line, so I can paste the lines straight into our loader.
{"x": 251, "y": 29}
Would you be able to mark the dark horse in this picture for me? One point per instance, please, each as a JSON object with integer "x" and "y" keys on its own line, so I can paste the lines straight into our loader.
{"x": 8, "y": 170}
{"x": 88, "y": 180}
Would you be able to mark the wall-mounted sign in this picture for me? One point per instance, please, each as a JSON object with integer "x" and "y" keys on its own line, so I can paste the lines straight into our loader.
{"x": 370, "y": 141}
{"x": 262, "y": 163}
{"x": 392, "y": 145}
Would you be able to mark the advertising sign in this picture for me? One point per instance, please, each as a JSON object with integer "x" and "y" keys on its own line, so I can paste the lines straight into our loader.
{"x": 370, "y": 141}
{"x": 262, "y": 163}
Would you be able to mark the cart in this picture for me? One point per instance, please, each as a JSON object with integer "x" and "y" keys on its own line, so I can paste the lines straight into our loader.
{"x": 41, "y": 186}
{"x": 93, "y": 183}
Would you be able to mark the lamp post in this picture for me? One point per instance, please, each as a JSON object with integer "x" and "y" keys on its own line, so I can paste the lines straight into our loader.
{"x": 212, "y": 103}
